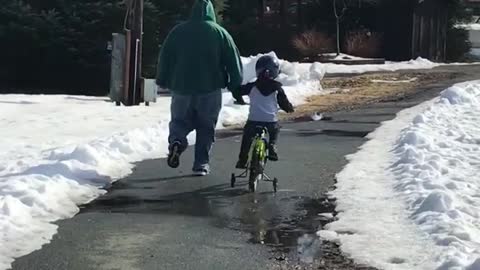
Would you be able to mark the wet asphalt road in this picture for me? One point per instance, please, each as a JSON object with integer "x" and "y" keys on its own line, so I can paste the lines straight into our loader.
{"x": 160, "y": 218}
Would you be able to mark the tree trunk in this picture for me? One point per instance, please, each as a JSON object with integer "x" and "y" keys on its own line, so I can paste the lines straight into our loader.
{"x": 300, "y": 16}
{"x": 261, "y": 11}
{"x": 283, "y": 14}
{"x": 338, "y": 36}
{"x": 338, "y": 18}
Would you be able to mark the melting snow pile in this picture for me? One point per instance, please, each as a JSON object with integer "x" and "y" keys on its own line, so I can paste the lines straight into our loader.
{"x": 410, "y": 198}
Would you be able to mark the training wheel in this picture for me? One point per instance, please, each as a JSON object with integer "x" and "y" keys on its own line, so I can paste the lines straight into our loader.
{"x": 275, "y": 184}
{"x": 233, "y": 180}
{"x": 252, "y": 184}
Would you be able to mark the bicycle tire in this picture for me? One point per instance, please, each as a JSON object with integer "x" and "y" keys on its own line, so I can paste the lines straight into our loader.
{"x": 252, "y": 181}
{"x": 256, "y": 165}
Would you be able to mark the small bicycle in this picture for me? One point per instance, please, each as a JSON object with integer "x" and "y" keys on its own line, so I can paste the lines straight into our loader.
{"x": 257, "y": 162}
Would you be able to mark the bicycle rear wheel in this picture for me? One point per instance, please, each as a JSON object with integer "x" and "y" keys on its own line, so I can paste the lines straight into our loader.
{"x": 253, "y": 180}
{"x": 256, "y": 166}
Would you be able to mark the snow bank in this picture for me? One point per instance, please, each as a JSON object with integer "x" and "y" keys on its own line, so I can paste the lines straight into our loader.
{"x": 66, "y": 177}
{"x": 319, "y": 69}
{"x": 59, "y": 152}
{"x": 409, "y": 199}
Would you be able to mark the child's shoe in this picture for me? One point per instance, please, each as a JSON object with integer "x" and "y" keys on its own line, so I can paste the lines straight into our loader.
{"x": 272, "y": 153}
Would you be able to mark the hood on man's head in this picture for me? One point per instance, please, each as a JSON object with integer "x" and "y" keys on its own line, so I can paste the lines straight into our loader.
{"x": 203, "y": 11}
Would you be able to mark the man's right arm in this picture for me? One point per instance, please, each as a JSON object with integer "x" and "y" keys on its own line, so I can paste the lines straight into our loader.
{"x": 243, "y": 90}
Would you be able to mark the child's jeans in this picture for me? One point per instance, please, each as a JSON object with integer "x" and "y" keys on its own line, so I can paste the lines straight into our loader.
{"x": 249, "y": 133}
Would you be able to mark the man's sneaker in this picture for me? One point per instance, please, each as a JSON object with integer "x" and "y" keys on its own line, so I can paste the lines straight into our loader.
{"x": 272, "y": 153}
{"x": 201, "y": 172}
{"x": 241, "y": 164}
{"x": 173, "y": 159}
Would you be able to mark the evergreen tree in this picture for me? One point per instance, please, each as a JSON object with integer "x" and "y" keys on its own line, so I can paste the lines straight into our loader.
{"x": 239, "y": 11}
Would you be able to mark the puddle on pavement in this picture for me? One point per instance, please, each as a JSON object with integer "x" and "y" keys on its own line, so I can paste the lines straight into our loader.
{"x": 287, "y": 225}
{"x": 284, "y": 222}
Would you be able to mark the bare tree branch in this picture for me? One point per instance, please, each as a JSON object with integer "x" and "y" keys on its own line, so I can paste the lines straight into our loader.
{"x": 338, "y": 19}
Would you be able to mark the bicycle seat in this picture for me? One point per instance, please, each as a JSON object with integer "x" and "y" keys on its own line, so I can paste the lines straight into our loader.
{"x": 259, "y": 130}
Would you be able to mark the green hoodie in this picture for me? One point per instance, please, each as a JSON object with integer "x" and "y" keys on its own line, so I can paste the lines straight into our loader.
{"x": 199, "y": 56}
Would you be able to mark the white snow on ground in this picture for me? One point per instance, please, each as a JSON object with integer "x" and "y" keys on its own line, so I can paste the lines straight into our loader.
{"x": 61, "y": 151}
{"x": 410, "y": 198}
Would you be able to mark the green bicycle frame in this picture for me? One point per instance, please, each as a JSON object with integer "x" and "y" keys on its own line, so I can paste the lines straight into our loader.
{"x": 259, "y": 148}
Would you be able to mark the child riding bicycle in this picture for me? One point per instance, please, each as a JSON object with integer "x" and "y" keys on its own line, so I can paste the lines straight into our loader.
{"x": 266, "y": 96}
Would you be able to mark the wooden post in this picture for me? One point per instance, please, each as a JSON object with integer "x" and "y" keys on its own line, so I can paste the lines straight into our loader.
{"x": 134, "y": 31}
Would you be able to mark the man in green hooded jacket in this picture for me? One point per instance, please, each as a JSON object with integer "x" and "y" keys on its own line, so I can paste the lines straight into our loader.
{"x": 197, "y": 60}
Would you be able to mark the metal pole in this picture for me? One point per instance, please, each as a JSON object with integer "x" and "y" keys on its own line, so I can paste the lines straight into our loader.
{"x": 137, "y": 38}
{"x": 135, "y": 75}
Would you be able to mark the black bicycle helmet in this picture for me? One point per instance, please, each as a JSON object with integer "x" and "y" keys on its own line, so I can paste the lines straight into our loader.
{"x": 267, "y": 66}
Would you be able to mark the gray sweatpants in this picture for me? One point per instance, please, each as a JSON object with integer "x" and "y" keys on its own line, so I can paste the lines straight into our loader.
{"x": 199, "y": 113}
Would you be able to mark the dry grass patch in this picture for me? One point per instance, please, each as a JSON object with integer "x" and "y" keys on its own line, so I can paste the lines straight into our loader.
{"x": 343, "y": 93}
